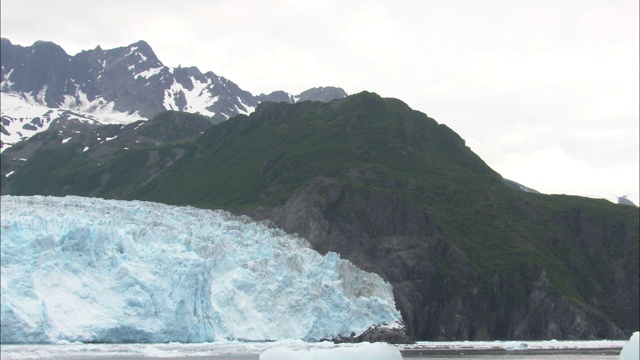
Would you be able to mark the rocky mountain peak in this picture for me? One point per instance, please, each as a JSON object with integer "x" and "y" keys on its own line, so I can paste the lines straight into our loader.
{"x": 323, "y": 94}
{"x": 624, "y": 200}
{"x": 144, "y": 52}
{"x": 42, "y": 45}
{"x": 126, "y": 83}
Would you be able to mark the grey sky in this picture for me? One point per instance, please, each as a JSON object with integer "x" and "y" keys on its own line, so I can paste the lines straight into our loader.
{"x": 546, "y": 92}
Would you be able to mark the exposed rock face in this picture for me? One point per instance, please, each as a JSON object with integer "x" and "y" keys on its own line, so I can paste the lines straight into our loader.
{"x": 543, "y": 314}
{"x": 625, "y": 201}
{"x": 277, "y": 96}
{"x": 131, "y": 77}
{"x": 101, "y": 142}
{"x": 437, "y": 292}
{"x": 323, "y": 94}
{"x": 30, "y": 69}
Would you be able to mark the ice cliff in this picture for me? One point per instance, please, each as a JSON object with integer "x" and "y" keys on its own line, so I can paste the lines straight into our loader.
{"x": 93, "y": 270}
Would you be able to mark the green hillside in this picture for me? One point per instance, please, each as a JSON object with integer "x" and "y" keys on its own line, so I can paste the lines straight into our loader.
{"x": 261, "y": 159}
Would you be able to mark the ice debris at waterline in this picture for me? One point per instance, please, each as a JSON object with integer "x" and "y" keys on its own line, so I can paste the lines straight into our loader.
{"x": 630, "y": 349}
{"x": 253, "y": 349}
{"x": 369, "y": 351}
{"x": 93, "y": 270}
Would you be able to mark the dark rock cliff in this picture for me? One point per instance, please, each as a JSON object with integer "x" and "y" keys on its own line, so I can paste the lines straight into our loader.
{"x": 437, "y": 291}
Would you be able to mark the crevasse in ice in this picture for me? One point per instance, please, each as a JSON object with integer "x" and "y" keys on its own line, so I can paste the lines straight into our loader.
{"x": 93, "y": 270}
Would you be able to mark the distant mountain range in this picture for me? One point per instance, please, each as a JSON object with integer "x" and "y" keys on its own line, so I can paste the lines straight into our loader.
{"x": 42, "y": 84}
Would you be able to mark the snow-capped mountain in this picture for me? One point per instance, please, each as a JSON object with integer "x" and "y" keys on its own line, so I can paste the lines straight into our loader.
{"x": 23, "y": 117}
{"x": 42, "y": 83}
{"x": 93, "y": 270}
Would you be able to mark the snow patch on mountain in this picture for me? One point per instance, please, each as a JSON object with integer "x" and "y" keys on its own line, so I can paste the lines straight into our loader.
{"x": 99, "y": 109}
{"x": 93, "y": 270}
{"x": 151, "y": 72}
{"x": 6, "y": 82}
{"x": 246, "y": 110}
{"x": 131, "y": 79}
{"x": 196, "y": 100}
{"x": 24, "y": 116}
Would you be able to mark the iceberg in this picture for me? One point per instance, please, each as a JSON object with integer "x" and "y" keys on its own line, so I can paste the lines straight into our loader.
{"x": 369, "y": 351}
{"x": 79, "y": 269}
{"x": 630, "y": 349}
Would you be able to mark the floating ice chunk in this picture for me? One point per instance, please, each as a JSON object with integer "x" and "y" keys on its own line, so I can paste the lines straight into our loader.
{"x": 369, "y": 351}
{"x": 515, "y": 345}
{"x": 630, "y": 348}
{"x": 280, "y": 353}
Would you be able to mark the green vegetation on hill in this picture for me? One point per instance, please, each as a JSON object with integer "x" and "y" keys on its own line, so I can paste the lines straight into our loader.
{"x": 262, "y": 158}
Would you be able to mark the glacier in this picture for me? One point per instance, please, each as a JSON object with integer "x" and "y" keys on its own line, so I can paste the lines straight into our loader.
{"x": 91, "y": 270}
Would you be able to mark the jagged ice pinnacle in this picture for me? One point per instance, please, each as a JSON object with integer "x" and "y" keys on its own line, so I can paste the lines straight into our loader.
{"x": 93, "y": 270}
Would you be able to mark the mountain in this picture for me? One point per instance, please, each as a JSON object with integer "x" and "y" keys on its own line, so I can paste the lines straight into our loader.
{"x": 42, "y": 83}
{"x": 108, "y": 271}
{"x": 323, "y": 94}
{"x": 469, "y": 255}
{"x": 623, "y": 200}
{"x": 521, "y": 187}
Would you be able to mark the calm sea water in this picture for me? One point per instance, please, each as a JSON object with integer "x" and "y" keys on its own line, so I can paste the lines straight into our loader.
{"x": 606, "y": 350}
{"x": 511, "y": 355}
{"x": 564, "y": 355}
{"x": 549, "y": 356}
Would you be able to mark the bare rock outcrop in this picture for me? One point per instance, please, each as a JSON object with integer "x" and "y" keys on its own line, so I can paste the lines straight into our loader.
{"x": 436, "y": 288}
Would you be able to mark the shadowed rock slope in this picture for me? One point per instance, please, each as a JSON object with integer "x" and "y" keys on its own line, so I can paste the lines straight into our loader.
{"x": 390, "y": 189}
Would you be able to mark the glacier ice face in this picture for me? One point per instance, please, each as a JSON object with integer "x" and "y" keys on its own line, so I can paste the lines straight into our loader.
{"x": 93, "y": 270}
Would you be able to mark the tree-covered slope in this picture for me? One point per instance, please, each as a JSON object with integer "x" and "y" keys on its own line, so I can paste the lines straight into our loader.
{"x": 262, "y": 158}
{"x": 399, "y": 194}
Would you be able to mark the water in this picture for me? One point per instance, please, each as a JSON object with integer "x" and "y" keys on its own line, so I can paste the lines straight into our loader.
{"x": 548, "y": 355}
{"x": 234, "y": 350}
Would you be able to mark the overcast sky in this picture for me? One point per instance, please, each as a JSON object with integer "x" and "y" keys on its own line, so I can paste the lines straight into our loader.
{"x": 546, "y": 92}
